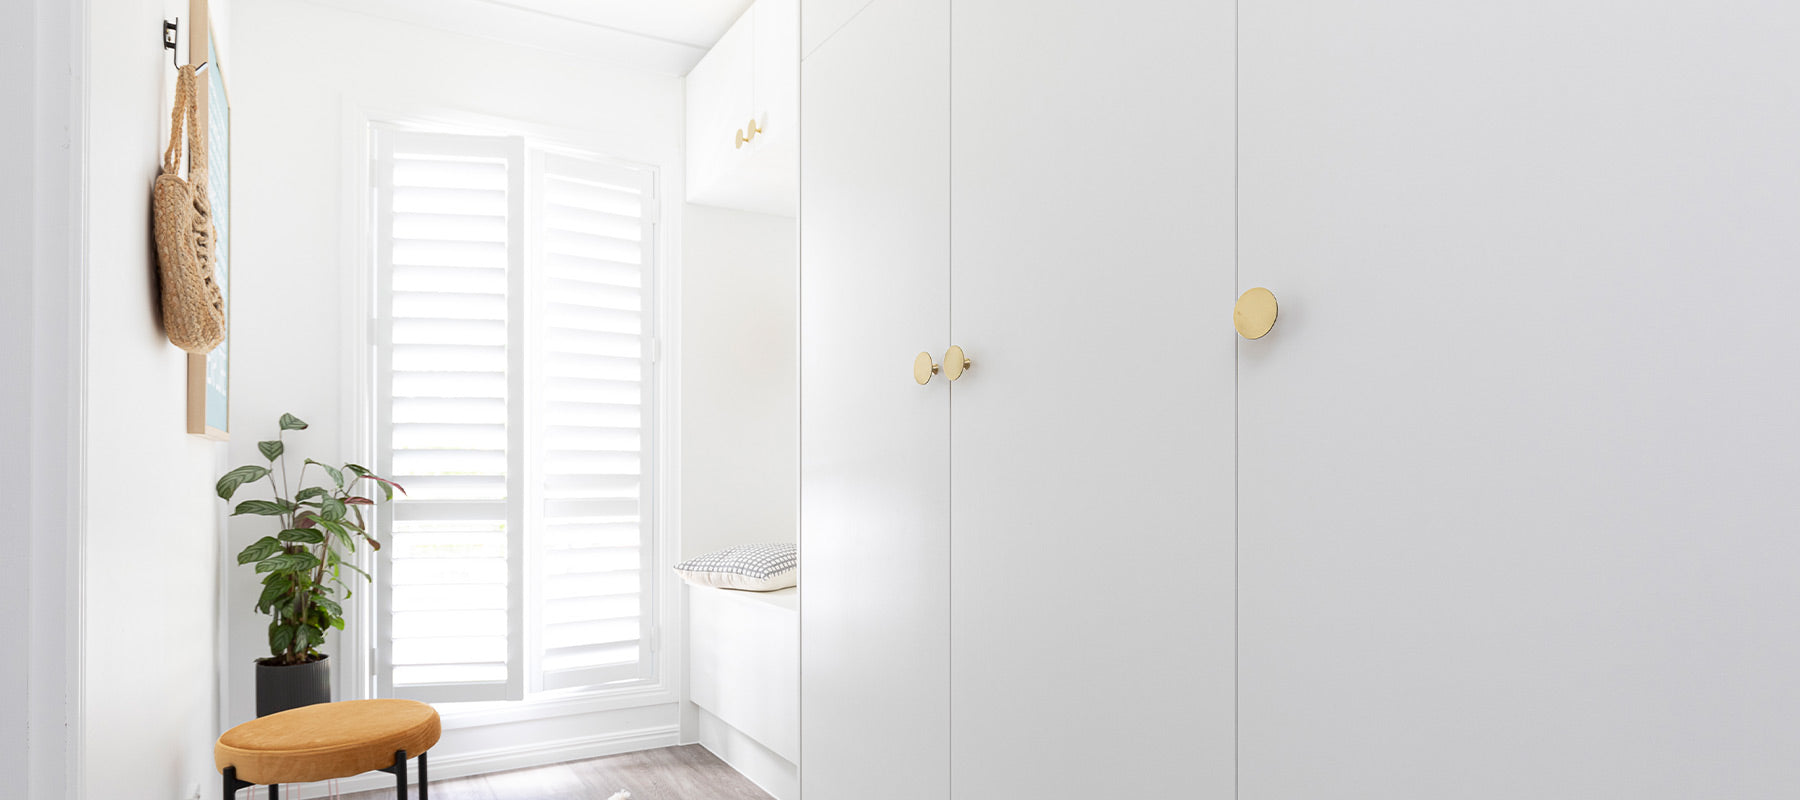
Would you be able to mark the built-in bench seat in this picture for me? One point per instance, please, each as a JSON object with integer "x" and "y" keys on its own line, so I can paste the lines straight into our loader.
{"x": 744, "y": 674}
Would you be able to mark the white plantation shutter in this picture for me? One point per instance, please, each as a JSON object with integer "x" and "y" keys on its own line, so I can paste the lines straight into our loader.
{"x": 513, "y": 367}
{"x": 450, "y": 415}
{"x": 594, "y": 234}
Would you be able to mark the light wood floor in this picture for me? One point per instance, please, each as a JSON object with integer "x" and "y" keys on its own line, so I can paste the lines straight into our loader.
{"x": 670, "y": 773}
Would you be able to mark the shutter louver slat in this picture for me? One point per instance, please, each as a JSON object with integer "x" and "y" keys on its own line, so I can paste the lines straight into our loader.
{"x": 599, "y": 271}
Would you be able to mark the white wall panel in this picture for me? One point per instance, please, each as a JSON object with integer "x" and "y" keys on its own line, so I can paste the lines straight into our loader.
{"x": 149, "y": 680}
{"x": 740, "y": 398}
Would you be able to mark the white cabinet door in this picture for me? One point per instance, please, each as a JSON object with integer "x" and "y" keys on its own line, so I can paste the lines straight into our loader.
{"x": 820, "y": 19}
{"x": 776, "y": 150}
{"x": 720, "y": 102}
{"x": 1518, "y": 463}
{"x": 1091, "y": 477}
{"x": 747, "y": 86}
{"x": 874, "y": 538}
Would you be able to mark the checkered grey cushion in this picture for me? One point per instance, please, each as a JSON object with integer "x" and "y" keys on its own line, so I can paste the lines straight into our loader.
{"x": 755, "y": 567}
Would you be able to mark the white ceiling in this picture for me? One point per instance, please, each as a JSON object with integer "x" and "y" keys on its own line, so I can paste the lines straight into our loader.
{"x": 699, "y": 23}
{"x": 666, "y": 36}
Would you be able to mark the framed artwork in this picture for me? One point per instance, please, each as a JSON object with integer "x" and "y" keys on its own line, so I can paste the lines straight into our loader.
{"x": 209, "y": 376}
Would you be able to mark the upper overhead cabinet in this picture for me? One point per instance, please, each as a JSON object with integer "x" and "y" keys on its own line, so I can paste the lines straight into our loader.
{"x": 743, "y": 114}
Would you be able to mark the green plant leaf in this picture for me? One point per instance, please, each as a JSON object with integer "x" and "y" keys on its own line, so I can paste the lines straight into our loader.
{"x": 288, "y": 562}
{"x": 271, "y": 450}
{"x": 387, "y": 486}
{"x": 358, "y": 570}
{"x": 259, "y": 550}
{"x": 358, "y": 501}
{"x": 336, "y": 476}
{"x": 301, "y": 535}
{"x": 329, "y": 606}
{"x": 281, "y": 637}
{"x": 289, "y": 422}
{"x": 262, "y": 508}
{"x": 228, "y": 483}
{"x": 274, "y": 586}
{"x": 360, "y": 470}
{"x": 310, "y": 492}
{"x": 337, "y": 622}
{"x": 331, "y": 508}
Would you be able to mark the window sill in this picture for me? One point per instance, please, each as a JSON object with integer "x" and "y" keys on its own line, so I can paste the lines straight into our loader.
{"x": 456, "y": 716}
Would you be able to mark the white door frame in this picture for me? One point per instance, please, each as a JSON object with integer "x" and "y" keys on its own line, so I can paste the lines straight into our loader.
{"x": 57, "y": 279}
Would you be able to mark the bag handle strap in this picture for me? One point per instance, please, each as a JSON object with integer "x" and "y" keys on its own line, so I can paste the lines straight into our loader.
{"x": 187, "y": 107}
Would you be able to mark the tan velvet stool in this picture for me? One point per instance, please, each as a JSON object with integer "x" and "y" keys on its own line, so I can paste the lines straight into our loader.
{"x": 328, "y": 740}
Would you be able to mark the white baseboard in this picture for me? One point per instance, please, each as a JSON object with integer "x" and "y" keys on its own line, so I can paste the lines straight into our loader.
{"x": 764, "y": 767}
{"x": 500, "y": 759}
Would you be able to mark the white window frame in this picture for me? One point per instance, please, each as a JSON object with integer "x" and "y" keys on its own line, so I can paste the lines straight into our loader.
{"x": 355, "y": 649}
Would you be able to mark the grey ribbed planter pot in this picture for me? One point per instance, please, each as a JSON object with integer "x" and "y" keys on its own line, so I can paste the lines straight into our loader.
{"x": 282, "y": 688}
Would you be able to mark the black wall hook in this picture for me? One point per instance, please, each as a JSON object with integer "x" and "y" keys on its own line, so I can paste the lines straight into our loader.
{"x": 171, "y": 33}
{"x": 172, "y": 40}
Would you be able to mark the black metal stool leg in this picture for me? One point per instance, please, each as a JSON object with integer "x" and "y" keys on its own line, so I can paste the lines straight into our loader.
{"x": 399, "y": 770}
{"x": 424, "y": 782}
{"x": 274, "y": 791}
{"x": 232, "y": 784}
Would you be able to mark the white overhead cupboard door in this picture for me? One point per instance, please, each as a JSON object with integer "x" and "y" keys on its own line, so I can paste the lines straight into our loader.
{"x": 1517, "y": 464}
{"x": 874, "y": 484}
{"x": 1091, "y": 448}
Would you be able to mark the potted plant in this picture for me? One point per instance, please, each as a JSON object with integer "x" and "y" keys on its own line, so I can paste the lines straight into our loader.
{"x": 303, "y": 565}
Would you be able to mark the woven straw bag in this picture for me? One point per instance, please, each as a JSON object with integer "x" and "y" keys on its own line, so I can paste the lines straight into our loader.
{"x": 193, "y": 309}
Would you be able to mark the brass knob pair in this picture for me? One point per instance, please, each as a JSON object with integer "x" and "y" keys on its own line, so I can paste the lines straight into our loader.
{"x": 956, "y": 362}
{"x": 743, "y": 137}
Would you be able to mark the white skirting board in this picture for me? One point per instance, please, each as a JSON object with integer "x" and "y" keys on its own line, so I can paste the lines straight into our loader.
{"x": 504, "y": 758}
{"x": 776, "y": 775}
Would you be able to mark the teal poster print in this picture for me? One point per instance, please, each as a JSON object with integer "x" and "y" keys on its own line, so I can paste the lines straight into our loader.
{"x": 218, "y": 187}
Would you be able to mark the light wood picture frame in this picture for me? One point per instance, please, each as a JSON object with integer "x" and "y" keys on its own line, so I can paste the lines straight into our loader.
{"x": 209, "y": 376}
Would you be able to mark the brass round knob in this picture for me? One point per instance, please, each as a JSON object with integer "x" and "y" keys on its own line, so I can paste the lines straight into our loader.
{"x": 956, "y": 362}
{"x": 923, "y": 368}
{"x": 1255, "y": 313}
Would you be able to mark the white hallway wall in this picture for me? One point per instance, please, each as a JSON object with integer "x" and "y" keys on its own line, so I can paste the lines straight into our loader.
{"x": 17, "y": 144}
{"x": 740, "y": 393}
{"x": 152, "y": 532}
{"x": 301, "y": 68}
{"x": 740, "y": 400}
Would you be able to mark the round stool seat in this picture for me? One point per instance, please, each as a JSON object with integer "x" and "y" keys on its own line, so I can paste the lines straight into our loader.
{"x": 328, "y": 740}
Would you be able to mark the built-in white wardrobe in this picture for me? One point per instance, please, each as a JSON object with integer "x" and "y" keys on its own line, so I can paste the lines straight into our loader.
{"x": 1503, "y": 506}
